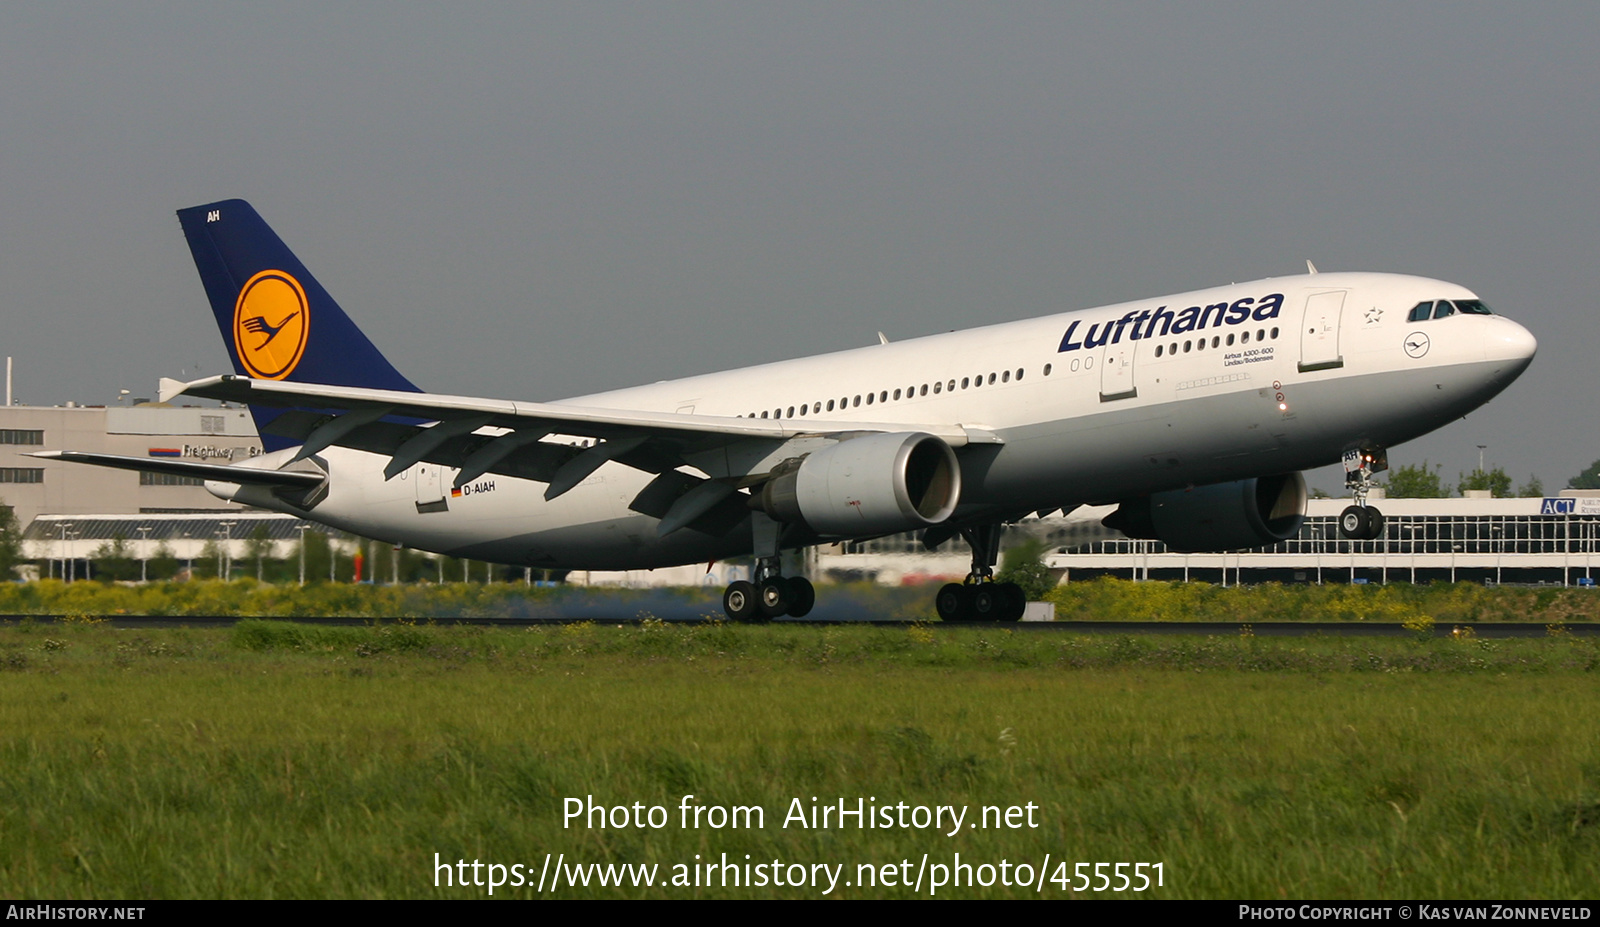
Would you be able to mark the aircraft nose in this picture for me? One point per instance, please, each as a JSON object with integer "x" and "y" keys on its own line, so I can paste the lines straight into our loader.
{"x": 1505, "y": 340}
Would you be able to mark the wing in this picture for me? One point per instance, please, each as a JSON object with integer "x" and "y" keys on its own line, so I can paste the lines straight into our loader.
{"x": 477, "y": 436}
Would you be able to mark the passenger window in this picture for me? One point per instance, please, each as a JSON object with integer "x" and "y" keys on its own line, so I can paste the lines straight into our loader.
{"x": 1047, "y": 370}
{"x": 964, "y": 382}
{"x": 1244, "y": 338}
{"x": 1443, "y": 308}
{"x": 1005, "y": 376}
{"x": 1230, "y": 341}
{"x": 803, "y": 409}
{"x": 883, "y": 396}
{"x": 951, "y": 386}
{"x": 897, "y": 395}
{"x": 830, "y": 405}
{"x": 1420, "y": 312}
{"x": 1274, "y": 334}
{"x": 937, "y": 387}
{"x": 1261, "y": 335}
{"x": 924, "y": 389}
{"x": 1186, "y": 347}
{"x": 1019, "y": 373}
{"x": 856, "y": 402}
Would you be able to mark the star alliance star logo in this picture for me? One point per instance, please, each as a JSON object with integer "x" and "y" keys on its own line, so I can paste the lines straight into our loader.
{"x": 1373, "y": 315}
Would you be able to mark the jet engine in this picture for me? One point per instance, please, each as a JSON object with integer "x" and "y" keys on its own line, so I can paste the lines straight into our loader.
{"x": 874, "y": 484}
{"x": 1223, "y": 516}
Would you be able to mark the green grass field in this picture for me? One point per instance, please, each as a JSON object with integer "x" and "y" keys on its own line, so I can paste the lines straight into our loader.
{"x": 276, "y": 760}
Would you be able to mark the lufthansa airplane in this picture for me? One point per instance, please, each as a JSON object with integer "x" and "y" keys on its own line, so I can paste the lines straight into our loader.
{"x": 1194, "y": 413}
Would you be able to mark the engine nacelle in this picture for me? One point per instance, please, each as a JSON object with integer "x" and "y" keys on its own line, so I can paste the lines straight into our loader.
{"x": 875, "y": 484}
{"x": 1222, "y": 516}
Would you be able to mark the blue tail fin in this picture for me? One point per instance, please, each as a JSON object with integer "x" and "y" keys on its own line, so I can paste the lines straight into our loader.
{"x": 277, "y": 321}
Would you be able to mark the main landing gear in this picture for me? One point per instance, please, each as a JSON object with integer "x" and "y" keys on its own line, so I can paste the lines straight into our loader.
{"x": 770, "y": 596}
{"x": 1362, "y": 522}
{"x": 979, "y": 597}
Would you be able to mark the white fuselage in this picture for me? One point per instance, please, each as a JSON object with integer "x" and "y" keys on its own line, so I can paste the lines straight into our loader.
{"x": 1089, "y": 407}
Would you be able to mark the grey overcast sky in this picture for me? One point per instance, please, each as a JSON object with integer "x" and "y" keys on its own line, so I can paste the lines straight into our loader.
{"x": 535, "y": 200}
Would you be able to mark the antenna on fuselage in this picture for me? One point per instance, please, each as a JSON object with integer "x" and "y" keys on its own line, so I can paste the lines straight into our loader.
{"x": 882, "y": 338}
{"x": 1310, "y": 267}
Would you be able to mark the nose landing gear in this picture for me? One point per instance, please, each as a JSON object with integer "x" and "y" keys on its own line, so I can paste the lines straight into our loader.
{"x": 1362, "y": 522}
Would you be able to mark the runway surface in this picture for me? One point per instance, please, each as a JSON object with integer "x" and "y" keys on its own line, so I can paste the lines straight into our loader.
{"x": 1196, "y": 628}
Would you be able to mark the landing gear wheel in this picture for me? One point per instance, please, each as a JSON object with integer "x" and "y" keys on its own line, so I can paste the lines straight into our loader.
{"x": 1013, "y": 601}
{"x": 987, "y": 602}
{"x": 804, "y": 596}
{"x": 952, "y": 602}
{"x": 776, "y": 596}
{"x": 1374, "y": 524}
{"x": 1353, "y": 523}
{"x": 739, "y": 601}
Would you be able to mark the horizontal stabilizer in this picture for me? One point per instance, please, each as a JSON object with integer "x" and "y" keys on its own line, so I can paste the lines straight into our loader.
{"x": 247, "y": 476}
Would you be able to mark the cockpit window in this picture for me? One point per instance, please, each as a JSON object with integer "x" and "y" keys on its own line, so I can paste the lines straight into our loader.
{"x": 1438, "y": 309}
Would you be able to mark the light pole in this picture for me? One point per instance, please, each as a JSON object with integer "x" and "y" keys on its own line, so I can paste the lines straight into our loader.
{"x": 66, "y": 560}
{"x": 1480, "y": 457}
{"x": 302, "y": 528}
{"x": 144, "y": 554}
{"x": 225, "y": 552}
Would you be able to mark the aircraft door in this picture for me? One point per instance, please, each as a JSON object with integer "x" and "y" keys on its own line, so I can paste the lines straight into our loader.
{"x": 1116, "y": 372}
{"x": 430, "y": 489}
{"x": 1319, "y": 332}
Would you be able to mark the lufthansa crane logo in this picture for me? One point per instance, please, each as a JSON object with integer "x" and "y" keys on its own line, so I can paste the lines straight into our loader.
{"x": 270, "y": 324}
{"x": 1416, "y": 344}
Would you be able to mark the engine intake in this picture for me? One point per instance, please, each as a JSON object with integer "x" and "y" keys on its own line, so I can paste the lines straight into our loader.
{"x": 1223, "y": 516}
{"x": 875, "y": 484}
